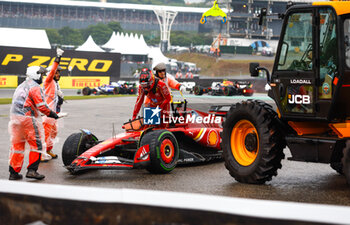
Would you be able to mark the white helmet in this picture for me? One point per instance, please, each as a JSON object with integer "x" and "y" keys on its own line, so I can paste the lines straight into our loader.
{"x": 34, "y": 72}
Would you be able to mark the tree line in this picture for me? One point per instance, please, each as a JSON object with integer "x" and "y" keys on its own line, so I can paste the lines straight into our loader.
{"x": 102, "y": 32}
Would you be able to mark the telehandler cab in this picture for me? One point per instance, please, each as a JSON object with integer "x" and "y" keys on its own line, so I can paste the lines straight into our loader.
{"x": 310, "y": 84}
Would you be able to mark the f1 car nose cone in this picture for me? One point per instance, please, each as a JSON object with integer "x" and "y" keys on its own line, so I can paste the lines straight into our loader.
{"x": 250, "y": 142}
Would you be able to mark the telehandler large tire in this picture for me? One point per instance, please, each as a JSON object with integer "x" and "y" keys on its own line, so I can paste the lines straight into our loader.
{"x": 337, "y": 156}
{"x": 252, "y": 142}
{"x": 338, "y": 167}
{"x": 346, "y": 161}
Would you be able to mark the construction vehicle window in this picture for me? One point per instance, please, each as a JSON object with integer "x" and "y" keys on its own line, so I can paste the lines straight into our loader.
{"x": 297, "y": 43}
{"x": 328, "y": 52}
{"x": 347, "y": 41}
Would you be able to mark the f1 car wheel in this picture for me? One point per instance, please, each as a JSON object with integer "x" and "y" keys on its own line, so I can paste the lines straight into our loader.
{"x": 75, "y": 145}
{"x": 86, "y": 91}
{"x": 227, "y": 91}
{"x": 132, "y": 91}
{"x": 164, "y": 151}
{"x": 252, "y": 142}
{"x": 116, "y": 90}
{"x": 198, "y": 90}
{"x": 123, "y": 90}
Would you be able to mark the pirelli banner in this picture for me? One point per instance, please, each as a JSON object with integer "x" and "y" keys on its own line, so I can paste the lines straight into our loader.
{"x": 92, "y": 67}
{"x": 81, "y": 82}
{"x": 8, "y": 81}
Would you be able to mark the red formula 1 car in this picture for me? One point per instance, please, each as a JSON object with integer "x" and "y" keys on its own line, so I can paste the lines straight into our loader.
{"x": 184, "y": 136}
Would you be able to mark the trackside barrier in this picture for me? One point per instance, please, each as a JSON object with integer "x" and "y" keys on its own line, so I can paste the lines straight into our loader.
{"x": 23, "y": 203}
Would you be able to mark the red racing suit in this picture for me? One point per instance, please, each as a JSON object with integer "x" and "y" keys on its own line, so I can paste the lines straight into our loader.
{"x": 51, "y": 88}
{"x": 170, "y": 82}
{"x": 159, "y": 95}
{"x": 27, "y": 101}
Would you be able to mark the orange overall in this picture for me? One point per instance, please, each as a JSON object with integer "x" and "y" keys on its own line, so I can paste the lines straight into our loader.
{"x": 51, "y": 88}
{"x": 27, "y": 101}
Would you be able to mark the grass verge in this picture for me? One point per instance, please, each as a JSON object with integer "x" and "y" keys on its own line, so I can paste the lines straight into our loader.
{"x": 5, "y": 101}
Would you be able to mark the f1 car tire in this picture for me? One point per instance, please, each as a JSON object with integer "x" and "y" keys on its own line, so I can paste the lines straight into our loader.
{"x": 86, "y": 91}
{"x": 95, "y": 92}
{"x": 252, "y": 142}
{"x": 75, "y": 145}
{"x": 164, "y": 151}
{"x": 116, "y": 90}
{"x": 132, "y": 91}
{"x": 124, "y": 90}
{"x": 227, "y": 91}
{"x": 198, "y": 90}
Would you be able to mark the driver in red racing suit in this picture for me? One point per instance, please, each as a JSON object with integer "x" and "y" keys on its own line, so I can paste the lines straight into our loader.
{"x": 155, "y": 89}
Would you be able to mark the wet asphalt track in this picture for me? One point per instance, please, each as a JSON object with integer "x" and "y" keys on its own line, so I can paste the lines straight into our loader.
{"x": 296, "y": 181}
